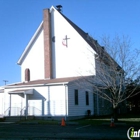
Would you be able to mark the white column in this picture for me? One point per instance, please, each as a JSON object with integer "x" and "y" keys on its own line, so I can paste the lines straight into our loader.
{"x": 48, "y": 101}
{"x": 43, "y": 100}
{"x": 26, "y": 105}
{"x": 10, "y": 106}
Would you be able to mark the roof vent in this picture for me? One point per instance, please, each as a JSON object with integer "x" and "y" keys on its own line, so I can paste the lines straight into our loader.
{"x": 59, "y": 8}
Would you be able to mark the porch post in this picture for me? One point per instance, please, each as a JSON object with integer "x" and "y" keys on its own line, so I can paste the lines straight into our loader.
{"x": 43, "y": 100}
{"x": 10, "y": 106}
{"x": 26, "y": 105}
{"x": 48, "y": 101}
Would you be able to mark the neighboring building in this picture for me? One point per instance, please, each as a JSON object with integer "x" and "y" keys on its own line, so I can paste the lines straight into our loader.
{"x": 54, "y": 65}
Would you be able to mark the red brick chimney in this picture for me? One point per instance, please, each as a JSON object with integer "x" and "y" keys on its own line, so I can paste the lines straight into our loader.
{"x": 47, "y": 44}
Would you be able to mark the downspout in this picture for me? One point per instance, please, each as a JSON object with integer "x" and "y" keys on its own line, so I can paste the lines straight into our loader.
{"x": 66, "y": 102}
{"x": 10, "y": 106}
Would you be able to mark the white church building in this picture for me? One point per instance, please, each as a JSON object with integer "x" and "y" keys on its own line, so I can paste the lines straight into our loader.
{"x": 53, "y": 65}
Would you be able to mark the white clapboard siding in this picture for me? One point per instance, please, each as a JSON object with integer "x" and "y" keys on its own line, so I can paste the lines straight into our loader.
{"x": 2, "y": 104}
{"x": 34, "y": 59}
{"x": 81, "y": 108}
{"x": 57, "y": 100}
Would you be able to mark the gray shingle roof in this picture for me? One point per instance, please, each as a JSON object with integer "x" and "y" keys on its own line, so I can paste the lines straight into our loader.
{"x": 47, "y": 81}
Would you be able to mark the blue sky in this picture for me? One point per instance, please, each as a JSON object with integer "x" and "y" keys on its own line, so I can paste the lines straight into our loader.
{"x": 19, "y": 20}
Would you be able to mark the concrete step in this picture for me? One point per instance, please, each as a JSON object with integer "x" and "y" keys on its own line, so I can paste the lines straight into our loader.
{"x": 12, "y": 119}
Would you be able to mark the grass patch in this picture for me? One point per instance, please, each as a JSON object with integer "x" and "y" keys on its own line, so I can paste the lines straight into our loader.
{"x": 132, "y": 121}
{"x": 127, "y": 119}
{"x": 52, "y": 122}
{"x": 93, "y": 121}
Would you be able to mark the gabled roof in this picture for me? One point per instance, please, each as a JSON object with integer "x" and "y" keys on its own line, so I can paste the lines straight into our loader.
{"x": 102, "y": 54}
{"x": 85, "y": 36}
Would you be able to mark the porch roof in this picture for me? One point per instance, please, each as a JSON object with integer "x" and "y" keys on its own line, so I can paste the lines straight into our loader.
{"x": 21, "y": 91}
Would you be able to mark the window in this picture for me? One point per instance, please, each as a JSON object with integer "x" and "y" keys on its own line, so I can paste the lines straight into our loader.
{"x": 87, "y": 98}
{"x": 76, "y": 96}
{"x": 27, "y": 74}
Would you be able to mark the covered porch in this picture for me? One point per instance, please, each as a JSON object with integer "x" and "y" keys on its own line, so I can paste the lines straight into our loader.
{"x": 24, "y": 109}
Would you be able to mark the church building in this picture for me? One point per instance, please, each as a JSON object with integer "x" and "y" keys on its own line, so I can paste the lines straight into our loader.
{"x": 54, "y": 66}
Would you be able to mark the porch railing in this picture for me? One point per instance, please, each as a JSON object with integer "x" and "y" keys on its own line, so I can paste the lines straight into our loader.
{"x": 34, "y": 111}
{"x": 17, "y": 111}
{"x": 6, "y": 112}
{"x": 13, "y": 111}
{"x": 22, "y": 111}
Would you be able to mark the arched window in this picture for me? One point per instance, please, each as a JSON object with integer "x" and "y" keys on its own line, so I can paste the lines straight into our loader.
{"x": 27, "y": 74}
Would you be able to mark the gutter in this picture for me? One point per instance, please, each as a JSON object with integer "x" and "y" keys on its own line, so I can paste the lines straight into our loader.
{"x": 36, "y": 85}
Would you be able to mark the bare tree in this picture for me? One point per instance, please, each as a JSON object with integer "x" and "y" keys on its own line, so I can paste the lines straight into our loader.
{"x": 115, "y": 62}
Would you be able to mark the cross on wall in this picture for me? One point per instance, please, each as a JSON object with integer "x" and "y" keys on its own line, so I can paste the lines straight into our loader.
{"x": 66, "y": 39}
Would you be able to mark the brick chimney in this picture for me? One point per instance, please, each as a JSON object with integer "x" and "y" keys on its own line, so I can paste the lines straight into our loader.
{"x": 47, "y": 44}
